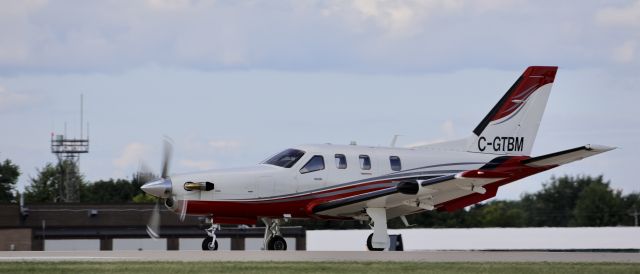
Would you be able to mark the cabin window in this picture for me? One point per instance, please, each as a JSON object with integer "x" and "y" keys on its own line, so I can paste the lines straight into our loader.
{"x": 396, "y": 165}
{"x": 316, "y": 163}
{"x": 365, "y": 162}
{"x": 285, "y": 159}
{"x": 341, "y": 161}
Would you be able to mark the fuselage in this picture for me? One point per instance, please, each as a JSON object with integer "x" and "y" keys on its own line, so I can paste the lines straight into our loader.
{"x": 320, "y": 173}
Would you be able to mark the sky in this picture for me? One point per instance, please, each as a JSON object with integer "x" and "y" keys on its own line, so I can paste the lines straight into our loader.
{"x": 232, "y": 82}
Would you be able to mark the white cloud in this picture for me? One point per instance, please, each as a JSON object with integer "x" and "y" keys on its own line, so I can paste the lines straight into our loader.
{"x": 199, "y": 165}
{"x": 406, "y": 17}
{"x": 628, "y": 16}
{"x": 447, "y": 131}
{"x": 378, "y": 36}
{"x": 496, "y": 5}
{"x": 394, "y": 18}
{"x": 131, "y": 160}
{"x": 224, "y": 144}
{"x": 169, "y": 5}
{"x": 9, "y": 99}
{"x": 131, "y": 155}
{"x": 625, "y": 53}
{"x": 16, "y": 32}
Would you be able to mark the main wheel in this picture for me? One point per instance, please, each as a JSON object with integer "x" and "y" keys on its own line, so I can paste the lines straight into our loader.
{"x": 209, "y": 245}
{"x": 277, "y": 243}
{"x": 370, "y": 245}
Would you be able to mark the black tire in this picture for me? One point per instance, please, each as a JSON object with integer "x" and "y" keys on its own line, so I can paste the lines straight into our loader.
{"x": 277, "y": 243}
{"x": 370, "y": 245}
{"x": 207, "y": 246}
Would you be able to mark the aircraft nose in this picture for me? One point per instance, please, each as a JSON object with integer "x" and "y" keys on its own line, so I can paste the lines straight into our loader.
{"x": 160, "y": 188}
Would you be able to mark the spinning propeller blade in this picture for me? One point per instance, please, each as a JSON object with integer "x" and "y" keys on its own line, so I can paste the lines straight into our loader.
{"x": 166, "y": 157}
{"x": 158, "y": 187}
{"x": 153, "y": 227}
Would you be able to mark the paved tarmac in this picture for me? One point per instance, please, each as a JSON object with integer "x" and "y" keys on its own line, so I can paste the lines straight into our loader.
{"x": 320, "y": 256}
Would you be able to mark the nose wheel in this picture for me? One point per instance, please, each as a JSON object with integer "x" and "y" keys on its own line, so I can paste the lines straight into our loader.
{"x": 277, "y": 243}
{"x": 273, "y": 239}
{"x": 210, "y": 243}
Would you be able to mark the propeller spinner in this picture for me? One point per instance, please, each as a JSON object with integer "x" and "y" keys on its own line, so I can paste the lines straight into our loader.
{"x": 161, "y": 188}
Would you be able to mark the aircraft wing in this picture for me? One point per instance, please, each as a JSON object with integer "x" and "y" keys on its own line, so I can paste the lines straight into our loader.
{"x": 453, "y": 191}
{"x": 357, "y": 200}
{"x": 566, "y": 156}
{"x": 412, "y": 195}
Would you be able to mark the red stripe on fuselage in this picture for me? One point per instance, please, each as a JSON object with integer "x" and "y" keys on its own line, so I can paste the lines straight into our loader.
{"x": 297, "y": 206}
{"x": 300, "y": 206}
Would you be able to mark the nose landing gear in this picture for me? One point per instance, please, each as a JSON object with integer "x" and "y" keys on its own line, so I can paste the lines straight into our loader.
{"x": 210, "y": 243}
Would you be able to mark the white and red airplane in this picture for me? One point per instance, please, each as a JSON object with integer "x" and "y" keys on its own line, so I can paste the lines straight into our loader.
{"x": 350, "y": 182}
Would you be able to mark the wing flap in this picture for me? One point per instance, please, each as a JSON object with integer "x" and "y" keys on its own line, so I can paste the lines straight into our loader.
{"x": 355, "y": 199}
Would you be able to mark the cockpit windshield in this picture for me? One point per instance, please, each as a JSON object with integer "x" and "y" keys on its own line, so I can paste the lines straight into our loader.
{"x": 285, "y": 159}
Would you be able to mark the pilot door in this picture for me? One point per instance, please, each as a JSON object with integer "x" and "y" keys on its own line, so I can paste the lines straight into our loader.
{"x": 312, "y": 175}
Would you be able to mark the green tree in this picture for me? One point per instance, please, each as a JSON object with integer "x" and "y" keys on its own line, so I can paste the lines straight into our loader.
{"x": 436, "y": 219}
{"x": 110, "y": 191}
{"x": 118, "y": 190}
{"x": 44, "y": 187}
{"x": 144, "y": 198}
{"x": 72, "y": 181}
{"x": 137, "y": 180}
{"x": 631, "y": 205}
{"x": 49, "y": 185}
{"x": 553, "y": 205}
{"x": 502, "y": 214}
{"x": 9, "y": 174}
{"x": 598, "y": 205}
{"x": 107, "y": 191}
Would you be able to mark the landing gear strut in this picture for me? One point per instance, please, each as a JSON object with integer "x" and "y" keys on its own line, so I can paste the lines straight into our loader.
{"x": 273, "y": 239}
{"x": 379, "y": 239}
{"x": 210, "y": 243}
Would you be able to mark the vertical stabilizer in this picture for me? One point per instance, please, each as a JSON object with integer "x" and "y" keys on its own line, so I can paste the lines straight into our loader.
{"x": 510, "y": 128}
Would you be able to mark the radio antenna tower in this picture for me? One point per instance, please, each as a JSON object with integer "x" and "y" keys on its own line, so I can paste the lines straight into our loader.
{"x": 67, "y": 151}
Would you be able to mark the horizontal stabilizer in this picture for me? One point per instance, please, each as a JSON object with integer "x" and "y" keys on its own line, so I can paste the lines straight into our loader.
{"x": 566, "y": 156}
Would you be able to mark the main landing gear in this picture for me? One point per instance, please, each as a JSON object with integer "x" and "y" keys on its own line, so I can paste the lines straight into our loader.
{"x": 273, "y": 239}
{"x": 379, "y": 239}
{"x": 210, "y": 243}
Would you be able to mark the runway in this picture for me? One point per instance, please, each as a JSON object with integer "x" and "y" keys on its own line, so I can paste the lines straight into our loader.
{"x": 320, "y": 256}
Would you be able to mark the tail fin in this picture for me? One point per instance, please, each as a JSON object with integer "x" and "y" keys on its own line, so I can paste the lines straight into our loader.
{"x": 511, "y": 126}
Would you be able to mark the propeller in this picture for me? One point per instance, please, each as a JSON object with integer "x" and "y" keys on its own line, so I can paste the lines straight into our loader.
{"x": 166, "y": 158}
{"x": 159, "y": 188}
{"x": 153, "y": 227}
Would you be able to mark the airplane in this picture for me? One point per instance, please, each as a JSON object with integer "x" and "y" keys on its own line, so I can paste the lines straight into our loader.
{"x": 375, "y": 184}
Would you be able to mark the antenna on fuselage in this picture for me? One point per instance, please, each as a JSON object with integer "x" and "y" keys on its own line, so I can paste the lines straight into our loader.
{"x": 393, "y": 141}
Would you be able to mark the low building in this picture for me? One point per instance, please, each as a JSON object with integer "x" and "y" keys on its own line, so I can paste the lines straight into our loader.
{"x": 29, "y": 227}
